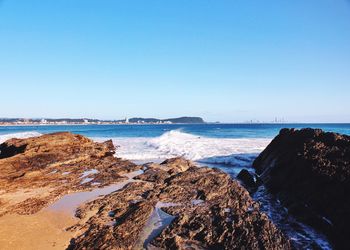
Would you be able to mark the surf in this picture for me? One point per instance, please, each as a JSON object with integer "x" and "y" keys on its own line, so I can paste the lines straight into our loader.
{"x": 229, "y": 151}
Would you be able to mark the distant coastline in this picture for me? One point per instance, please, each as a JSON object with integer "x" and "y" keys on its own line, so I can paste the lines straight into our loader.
{"x": 87, "y": 121}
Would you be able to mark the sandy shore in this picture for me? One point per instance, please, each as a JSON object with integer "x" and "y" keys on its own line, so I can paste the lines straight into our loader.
{"x": 43, "y": 230}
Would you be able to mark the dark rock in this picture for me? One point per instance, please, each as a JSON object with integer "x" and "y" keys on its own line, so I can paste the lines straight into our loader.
{"x": 8, "y": 150}
{"x": 248, "y": 179}
{"x": 310, "y": 170}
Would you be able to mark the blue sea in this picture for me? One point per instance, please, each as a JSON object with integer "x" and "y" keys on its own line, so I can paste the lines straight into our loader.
{"x": 207, "y": 130}
{"x": 230, "y": 147}
{"x": 233, "y": 146}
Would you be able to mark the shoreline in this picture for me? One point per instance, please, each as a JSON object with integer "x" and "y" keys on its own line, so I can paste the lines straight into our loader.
{"x": 166, "y": 182}
{"x": 123, "y": 217}
{"x": 172, "y": 124}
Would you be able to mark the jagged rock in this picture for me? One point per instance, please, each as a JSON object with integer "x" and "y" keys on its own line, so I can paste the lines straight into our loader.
{"x": 177, "y": 164}
{"x": 121, "y": 230}
{"x": 310, "y": 171}
{"x": 216, "y": 213}
{"x": 41, "y": 169}
{"x": 211, "y": 211}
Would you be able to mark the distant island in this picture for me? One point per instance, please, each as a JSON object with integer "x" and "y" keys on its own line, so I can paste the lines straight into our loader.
{"x": 78, "y": 121}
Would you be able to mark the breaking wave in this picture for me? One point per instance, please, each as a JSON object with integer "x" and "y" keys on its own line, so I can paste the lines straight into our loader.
{"x": 6, "y": 137}
{"x": 236, "y": 152}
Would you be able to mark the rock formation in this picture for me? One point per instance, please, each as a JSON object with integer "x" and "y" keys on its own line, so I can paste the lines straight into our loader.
{"x": 310, "y": 171}
{"x": 209, "y": 209}
{"x": 41, "y": 169}
{"x": 173, "y": 205}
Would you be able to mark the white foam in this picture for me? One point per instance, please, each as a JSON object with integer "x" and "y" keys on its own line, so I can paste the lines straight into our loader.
{"x": 21, "y": 135}
{"x": 174, "y": 143}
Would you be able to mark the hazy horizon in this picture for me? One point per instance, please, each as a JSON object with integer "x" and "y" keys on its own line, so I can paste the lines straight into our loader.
{"x": 227, "y": 61}
{"x": 247, "y": 121}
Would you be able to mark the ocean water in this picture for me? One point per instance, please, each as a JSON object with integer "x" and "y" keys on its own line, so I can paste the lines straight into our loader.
{"x": 230, "y": 147}
{"x": 233, "y": 146}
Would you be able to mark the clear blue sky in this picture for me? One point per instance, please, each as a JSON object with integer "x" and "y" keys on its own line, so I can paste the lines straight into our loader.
{"x": 230, "y": 61}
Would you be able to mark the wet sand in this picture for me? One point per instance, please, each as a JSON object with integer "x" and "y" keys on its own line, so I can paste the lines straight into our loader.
{"x": 47, "y": 228}
{"x": 43, "y": 230}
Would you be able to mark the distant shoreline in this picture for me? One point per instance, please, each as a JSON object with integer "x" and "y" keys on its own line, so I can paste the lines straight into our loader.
{"x": 171, "y": 124}
{"x": 104, "y": 124}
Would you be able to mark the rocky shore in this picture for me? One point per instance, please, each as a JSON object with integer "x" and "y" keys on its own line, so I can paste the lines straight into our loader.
{"x": 309, "y": 170}
{"x": 173, "y": 205}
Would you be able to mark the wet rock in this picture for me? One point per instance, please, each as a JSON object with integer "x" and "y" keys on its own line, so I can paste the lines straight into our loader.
{"x": 211, "y": 211}
{"x": 310, "y": 171}
{"x": 226, "y": 219}
{"x": 35, "y": 169}
{"x": 130, "y": 214}
{"x": 249, "y": 180}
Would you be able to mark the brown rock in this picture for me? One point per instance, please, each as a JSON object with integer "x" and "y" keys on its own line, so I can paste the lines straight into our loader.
{"x": 53, "y": 164}
{"x": 177, "y": 164}
{"x": 211, "y": 211}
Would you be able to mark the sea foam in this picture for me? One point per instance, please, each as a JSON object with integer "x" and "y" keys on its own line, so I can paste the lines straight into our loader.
{"x": 21, "y": 135}
{"x": 236, "y": 152}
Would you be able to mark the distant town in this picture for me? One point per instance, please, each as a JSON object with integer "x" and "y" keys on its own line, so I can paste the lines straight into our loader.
{"x": 87, "y": 121}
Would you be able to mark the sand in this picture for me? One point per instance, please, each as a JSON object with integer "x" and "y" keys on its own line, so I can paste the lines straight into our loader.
{"x": 43, "y": 230}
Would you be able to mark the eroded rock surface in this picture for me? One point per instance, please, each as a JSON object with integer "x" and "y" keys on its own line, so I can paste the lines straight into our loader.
{"x": 310, "y": 171}
{"x": 211, "y": 211}
{"x": 36, "y": 171}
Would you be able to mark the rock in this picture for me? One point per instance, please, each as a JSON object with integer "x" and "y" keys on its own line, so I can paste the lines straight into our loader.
{"x": 225, "y": 218}
{"x": 178, "y": 164}
{"x": 41, "y": 169}
{"x": 153, "y": 175}
{"x": 310, "y": 171}
{"x": 248, "y": 180}
{"x": 131, "y": 213}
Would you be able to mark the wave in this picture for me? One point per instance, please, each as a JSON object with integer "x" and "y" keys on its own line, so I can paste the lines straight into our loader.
{"x": 20, "y": 135}
{"x": 236, "y": 152}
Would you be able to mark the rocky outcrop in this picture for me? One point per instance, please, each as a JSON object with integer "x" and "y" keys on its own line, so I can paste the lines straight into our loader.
{"x": 209, "y": 210}
{"x": 37, "y": 171}
{"x": 310, "y": 171}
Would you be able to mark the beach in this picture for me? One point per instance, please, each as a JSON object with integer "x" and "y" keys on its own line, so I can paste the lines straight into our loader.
{"x": 230, "y": 153}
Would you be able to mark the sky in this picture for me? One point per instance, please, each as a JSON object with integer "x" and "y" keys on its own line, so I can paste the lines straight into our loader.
{"x": 223, "y": 60}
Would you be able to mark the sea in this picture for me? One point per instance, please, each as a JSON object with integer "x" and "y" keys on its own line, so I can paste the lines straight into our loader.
{"x": 229, "y": 147}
